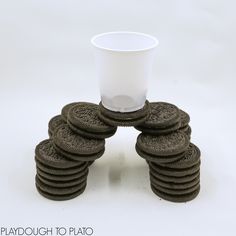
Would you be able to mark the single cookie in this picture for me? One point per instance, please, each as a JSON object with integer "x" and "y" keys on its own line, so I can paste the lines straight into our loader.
{"x": 56, "y": 197}
{"x": 161, "y": 115}
{"x": 190, "y": 158}
{"x": 175, "y": 179}
{"x": 125, "y": 116}
{"x": 60, "y": 171}
{"x": 176, "y": 198}
{"x": 46, "y": 154}
{"x": 76, "y": 157}
{"x": 54, "y": 123}
{"x": 158, "y": 159}
{"x": 159, "y": 131}
{"x": 65, "y": 110}
{"x": 83, "y": 119}
{"x": 187, "y": 130}
{"x": 174, "y": 172}
{"x": 124, "y": 119}
{"x": 65, "y": 139}
{"x": 184, "y": 118}
{"x": 175, "y": 186}
{"x": 62, "y": 184}
{"x": 64, "y": 177}
{"x": 175, "y": 191}
{"x": 58, "y": 191}
{"x": 163, "y": 145}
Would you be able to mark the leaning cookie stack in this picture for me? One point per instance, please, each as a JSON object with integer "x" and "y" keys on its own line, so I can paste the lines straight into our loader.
{"x": 174, "y": 162}
{"x": 77, "y": 139}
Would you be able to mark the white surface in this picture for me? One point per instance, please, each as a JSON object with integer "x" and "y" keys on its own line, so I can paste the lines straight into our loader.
{"x": 46, "y": 61}
{"x": 124, "y": 62}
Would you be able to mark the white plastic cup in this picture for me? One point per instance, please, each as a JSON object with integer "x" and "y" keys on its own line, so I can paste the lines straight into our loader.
{"x": 124, "y": 63}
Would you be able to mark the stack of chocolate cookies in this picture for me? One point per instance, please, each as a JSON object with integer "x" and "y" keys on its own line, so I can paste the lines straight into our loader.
{"x": 77, "y": 139}
{"x": 174, "y": 162}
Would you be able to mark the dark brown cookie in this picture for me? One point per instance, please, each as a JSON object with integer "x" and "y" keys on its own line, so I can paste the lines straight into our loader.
{"x": 176, "y": 191}
{"x": 60, "y": 171}
{"x": 88, "y": 134}
{"x": 184, "y": 118}
{"x": 60, "y": 197}
{"x": 176, "y": 198}
{"x": 161, "y": 115}
{"x": 159, "y": 131}
{"x": 65, "y": 177}
{"x": 174, "y": 172}
{"x": 125, "y": 116}
{"x": 175, "y": 179}
{"x": 58, "y": 191}
{"x": 62, "y": 184}
{"x": 46, "y": 154}
{"x": 171, "y": 185}
{"x": 158, "y": 159}
{"x": 65, "y": 139}
{"x": 65, "y": 110}
{"x": 54, "y": 123}
{"x": 79, "y": 157}
{"x": 187, "y": 130}
{"x": 129, "y": 118}
{"x": 190, "y": 158}
{"x": 163, "y": 145}
{"x": 83, "y": 118}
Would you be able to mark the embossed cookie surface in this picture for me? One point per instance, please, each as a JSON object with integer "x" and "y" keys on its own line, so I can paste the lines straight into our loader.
{"x": 85, "y": 116}
{"x": 163, "y": 145}
{"x": 73, "y": 143}
{"x": 184, "y": 118}
{"x": 191, "y": 157}
{"x": 65, "y": 110}
{"x": 54, "y": 123}
{"x": 46, "y": 154}
{"x": 161, "y": 115}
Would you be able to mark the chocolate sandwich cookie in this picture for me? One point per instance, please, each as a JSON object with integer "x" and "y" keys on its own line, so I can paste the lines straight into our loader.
{"x": 175, "y": 179}
{"x": 176, "y": 198}
{"x": 159, "y": 159}
{"x": 172, "y": 185}
{"x": 184, "y": 118}
{"x": 123, "y": 118}
{"x": 54, "y": 123}
{"x": 65, "y": 177}
{"x": 190, "y": 158}
{"x": 174, "y": 172}
{"x": 59, "y": 194}
{"x": 163, "y": 145}
{"x": 58, "y": 191}
{"x": 47, "y": 155}
{"x": 187, "y": 130}
{"x": 62, "y": 171}
{"x": 184, "y": 121}
{"x": 76, "y": 147}
{"x": 159, "y": 131}
{"x": 65, "y": 110}
{"x": 62, "y": 184}
{"x": 83, "y": 119}
{"x": 163, "y": 118}
{"x": 176, "y": 191}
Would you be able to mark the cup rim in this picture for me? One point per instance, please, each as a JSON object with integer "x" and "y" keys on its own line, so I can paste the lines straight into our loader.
{"x": 155, "y": 41}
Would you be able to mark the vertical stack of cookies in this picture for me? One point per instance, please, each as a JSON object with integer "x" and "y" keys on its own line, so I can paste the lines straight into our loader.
{"x": 77, "y": 138}
{"x": 174, "y": 162}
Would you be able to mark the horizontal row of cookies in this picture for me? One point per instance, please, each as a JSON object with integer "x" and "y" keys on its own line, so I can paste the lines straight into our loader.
{"x": 76, "y": 140}
{"x": 174, "y": 162}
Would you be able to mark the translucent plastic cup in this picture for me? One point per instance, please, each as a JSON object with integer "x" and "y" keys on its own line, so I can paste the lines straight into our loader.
{"x": 124, "y": 63}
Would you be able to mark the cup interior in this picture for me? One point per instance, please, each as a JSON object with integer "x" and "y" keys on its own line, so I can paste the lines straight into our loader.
{"x": 124, "y": 41}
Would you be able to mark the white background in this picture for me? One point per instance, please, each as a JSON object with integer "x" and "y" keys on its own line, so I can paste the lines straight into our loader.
{"x": 46, "y": 61}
